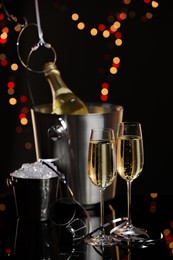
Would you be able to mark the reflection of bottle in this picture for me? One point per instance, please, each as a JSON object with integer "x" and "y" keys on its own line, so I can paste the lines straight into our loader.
{"x": 64, "y": 101}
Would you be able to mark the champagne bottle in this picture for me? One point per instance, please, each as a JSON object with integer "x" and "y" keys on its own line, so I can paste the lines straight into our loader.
{"x": 64, "y": 100}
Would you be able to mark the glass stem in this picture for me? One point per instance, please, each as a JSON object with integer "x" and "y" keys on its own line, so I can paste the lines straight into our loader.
{"x": 129, "y": 202}
{"x": 102, "y": 207}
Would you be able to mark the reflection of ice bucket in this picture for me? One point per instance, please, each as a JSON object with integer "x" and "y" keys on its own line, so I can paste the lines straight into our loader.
{"x": 64, "y": 139}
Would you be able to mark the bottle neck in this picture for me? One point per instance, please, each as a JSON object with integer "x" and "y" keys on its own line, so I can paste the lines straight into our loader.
{"x": 56, "y": 83}
{"x": 64, "y": 100}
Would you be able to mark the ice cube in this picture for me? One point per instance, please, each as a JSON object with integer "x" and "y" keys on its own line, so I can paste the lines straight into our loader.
{"x": 36, "y": 170}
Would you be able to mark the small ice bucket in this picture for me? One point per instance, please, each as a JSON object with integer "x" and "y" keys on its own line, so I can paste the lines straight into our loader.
{"x": 33, "y": 196}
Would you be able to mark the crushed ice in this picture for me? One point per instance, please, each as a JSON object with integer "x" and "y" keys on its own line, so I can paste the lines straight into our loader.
{"x": 36, "y": 170}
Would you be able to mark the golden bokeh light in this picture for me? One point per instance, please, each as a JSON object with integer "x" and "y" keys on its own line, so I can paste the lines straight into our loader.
{"x": 118, "y": 42}
{"x": 13, "y": 101}
{"x": 94, "y": 32}
{"x": 24, "y": 121}
{"x": 81, "y": 26}
{"x": 14, "y": 66}
{"x": 75, "y": 17}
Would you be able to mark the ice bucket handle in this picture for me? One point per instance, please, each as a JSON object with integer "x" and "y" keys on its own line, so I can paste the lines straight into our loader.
{"x": 10, "y": 182}
{"x": 58, "y": 131}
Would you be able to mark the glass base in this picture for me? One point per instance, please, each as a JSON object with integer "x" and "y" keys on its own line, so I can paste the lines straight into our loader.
{"x": 101, "y": 240}
{"x": 130, "y": 232}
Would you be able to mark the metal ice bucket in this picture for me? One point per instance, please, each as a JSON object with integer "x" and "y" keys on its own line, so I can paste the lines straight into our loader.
{"x": 63, "y": 139}
{"x": 33, "y": 197}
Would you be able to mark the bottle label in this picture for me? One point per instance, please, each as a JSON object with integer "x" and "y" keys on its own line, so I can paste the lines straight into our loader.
{"x": 62, "y": 91}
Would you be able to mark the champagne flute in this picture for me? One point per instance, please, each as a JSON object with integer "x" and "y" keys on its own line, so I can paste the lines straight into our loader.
{"x": 130, "y": 162}
{"x": 101, "y": 172}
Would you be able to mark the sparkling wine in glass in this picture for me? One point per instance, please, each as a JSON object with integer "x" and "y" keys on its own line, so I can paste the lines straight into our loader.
{"x": 130, "y": 162}
{"x": 101, "y": 172}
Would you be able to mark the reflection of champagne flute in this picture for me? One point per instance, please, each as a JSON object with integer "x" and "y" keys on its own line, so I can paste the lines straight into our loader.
{"x": 101, "y": 172}
{"x": 130, "y": 161}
